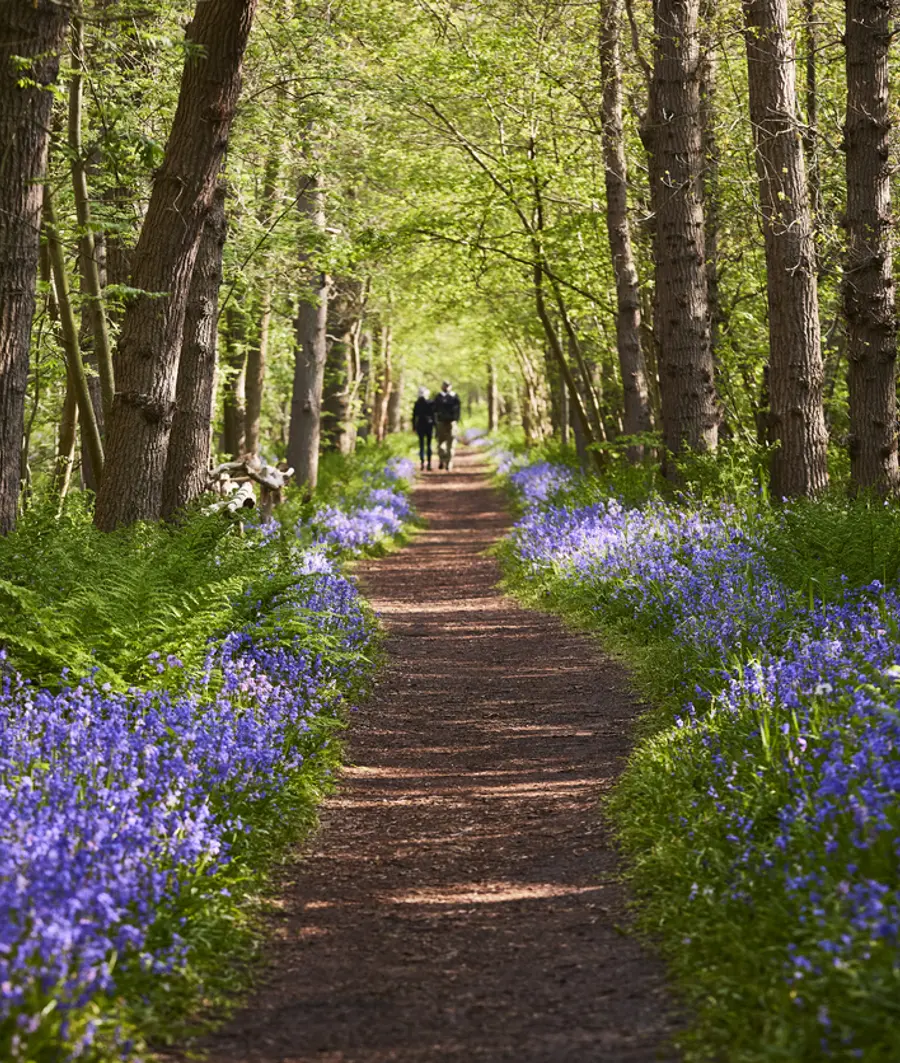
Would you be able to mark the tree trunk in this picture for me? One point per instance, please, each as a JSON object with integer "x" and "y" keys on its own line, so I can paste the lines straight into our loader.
{"x": 384, "y": 386}
{"x": 234, "y": 395}
{"x": 493, "y": 398}
{"x": 65, "y": 451}
{"x": 187, "y": 460}
{"x": 257, "y": 353}
{"x": 686, "y": 376}
{"x": 89, "y": 264}
{"x": 90, "y": 481}
{"x": 868, "y": 277}
{"x": 31, "y": 35}
{"x": 799, "y": 465}
{"x": 69, "y": 329}
{"x": 341, "y": 383}
{"x": 310, "y": 350}
{"x": 395, "y": 420}
{"x": 150, "y": 341}
{"x": 711, "y": 157}
{"x": 637, "y": 420}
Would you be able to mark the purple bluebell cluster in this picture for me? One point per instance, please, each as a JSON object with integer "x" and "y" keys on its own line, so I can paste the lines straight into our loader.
{"x": 112, "y": 803}
{"x": 786, "y": 760}
{"x": 536, "y": 483}
{"x": 377, "y": 518}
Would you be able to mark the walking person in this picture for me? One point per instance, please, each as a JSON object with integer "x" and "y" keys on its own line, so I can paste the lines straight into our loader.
{"x": 423, "y": 425}
{"x": 446, "y": 414}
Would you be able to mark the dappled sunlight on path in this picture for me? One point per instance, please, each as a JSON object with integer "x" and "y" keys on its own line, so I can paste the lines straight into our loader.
{"x": 461, "y": 901}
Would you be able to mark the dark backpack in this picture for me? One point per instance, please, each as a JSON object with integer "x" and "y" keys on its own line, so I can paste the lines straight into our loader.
{"x": 446, "y": 407}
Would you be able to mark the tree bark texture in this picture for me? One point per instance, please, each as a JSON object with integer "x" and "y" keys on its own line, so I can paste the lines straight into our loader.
{"x": 187, "y": 460}
{"x": 150, "y": 341}
{"x": 868, "y": 276}
{"x": 799, "y": 465}
{"x": 384, "y": 384}
{"x": 234, "y": 393}
{"x": 395, "y": 419}
{"x": 690, "y": 412}
{"x": 637, "y": 418}
{"x": 33, "y": 31}
{"x": 493, "y": 398}
{"x": 310, "y": 350}
{"x": 341, "y": 381}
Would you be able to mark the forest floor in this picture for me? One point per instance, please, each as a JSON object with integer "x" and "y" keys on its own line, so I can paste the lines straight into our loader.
{"x": 461, "y": 900}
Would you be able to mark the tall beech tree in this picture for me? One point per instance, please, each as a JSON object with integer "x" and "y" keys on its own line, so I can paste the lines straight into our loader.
{"x": 31, "y": 35}
{"x": 636, "y": 414}
{"x": 672, "y": 134}
{"x": 868, "y": 276}
{"x": 310, "y": 344}
{"x": 150, "y": 341}
{"x": 796, "y": 377}
{"x": 187, "y": 459}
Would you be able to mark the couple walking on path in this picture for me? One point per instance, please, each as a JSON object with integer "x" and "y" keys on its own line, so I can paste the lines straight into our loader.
{"x": 436, "y": 416}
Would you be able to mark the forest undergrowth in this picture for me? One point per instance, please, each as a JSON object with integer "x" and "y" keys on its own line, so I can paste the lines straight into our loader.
{"x": 171, "y": 704}
{"x": 759, "y": 810}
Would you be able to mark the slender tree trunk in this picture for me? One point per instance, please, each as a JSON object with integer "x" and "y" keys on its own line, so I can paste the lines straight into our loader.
{"x": 257, "y": 353}
{"x": 89, "y": 479}
{"x": 31, "y": 35}
{"x": 493, "y": 397}
{"x": 65, "y": 451}
{"x": 690, "y": 412}
{"x": 150, "y": 341}
{"x": 637, "y": 419}
{"x": 385, "y": 384}
{"x": 868, "y": 277}
{"x": 395, "y": 420}
{"x": 799, "y": 465}
{"x": 88, "y": 260}
{"x": 234, "y": 395}
{"x": 257, "y": 356}
{"x": 711, "y": 158}
{"x": 187, "y": 460}
{"x": 341, "y": 382}
{"x": 69, "y": 329}
{"x": 811, "y": 133}
{"x": 310, "y": 350}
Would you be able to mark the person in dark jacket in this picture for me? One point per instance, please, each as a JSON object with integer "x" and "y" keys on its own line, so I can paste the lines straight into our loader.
{"x": 423, "y": 425}
{"x": 446, "y": 414}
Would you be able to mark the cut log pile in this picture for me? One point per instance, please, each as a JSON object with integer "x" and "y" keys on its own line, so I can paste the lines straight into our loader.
{"x": 234, "y": 480}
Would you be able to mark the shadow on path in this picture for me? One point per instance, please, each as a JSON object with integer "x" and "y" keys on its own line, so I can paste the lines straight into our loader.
{"x": 460, "y": 901}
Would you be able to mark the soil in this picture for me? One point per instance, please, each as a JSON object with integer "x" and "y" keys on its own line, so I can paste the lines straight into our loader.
{"x": 462, "y": 899}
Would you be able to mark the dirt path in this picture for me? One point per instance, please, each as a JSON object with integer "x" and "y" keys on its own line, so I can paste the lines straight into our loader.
{"x": 460, "y": 901}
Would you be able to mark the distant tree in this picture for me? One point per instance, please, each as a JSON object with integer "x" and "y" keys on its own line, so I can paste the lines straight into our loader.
{"x": 31, "y": 35}
{"x": 310, "y": 347}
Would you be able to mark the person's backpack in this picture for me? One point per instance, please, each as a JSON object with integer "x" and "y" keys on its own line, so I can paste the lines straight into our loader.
{"x": 446, "y": 407}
